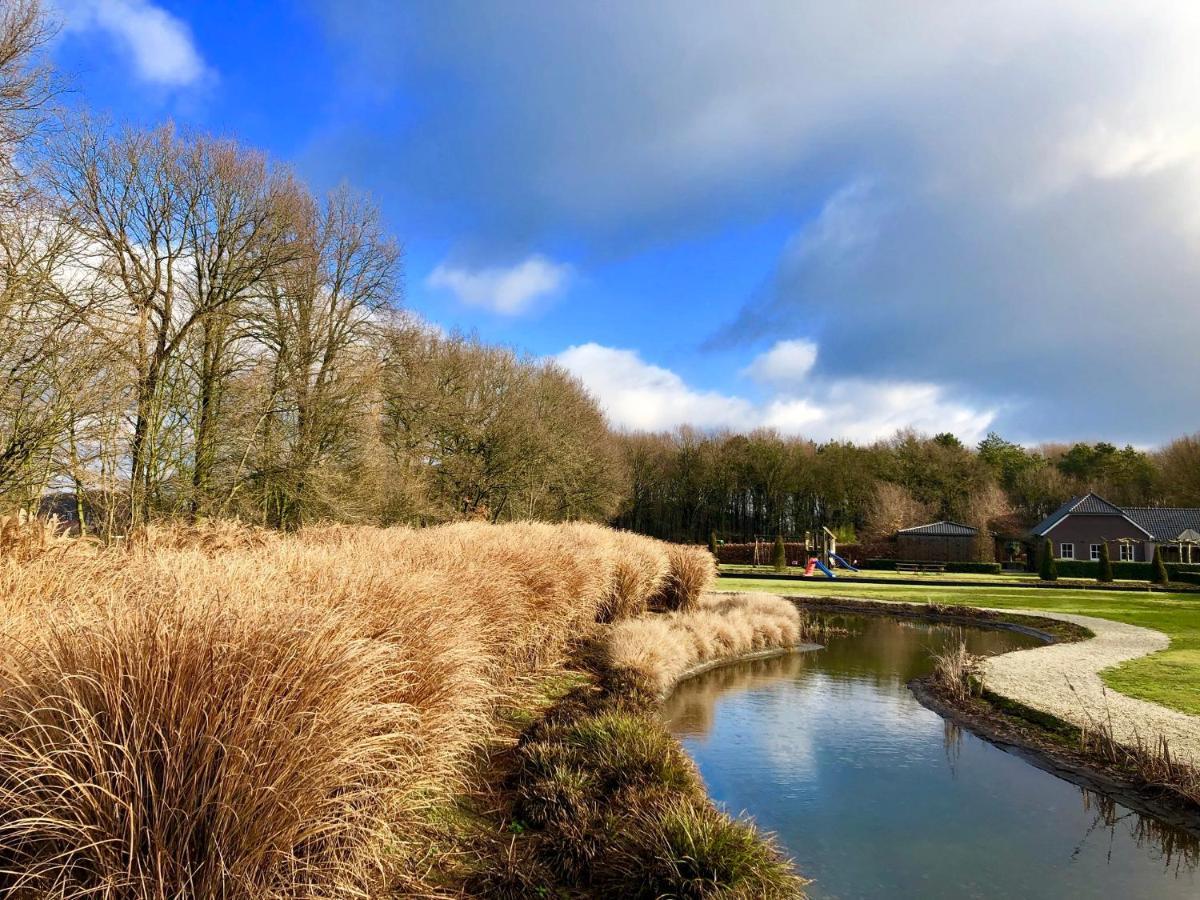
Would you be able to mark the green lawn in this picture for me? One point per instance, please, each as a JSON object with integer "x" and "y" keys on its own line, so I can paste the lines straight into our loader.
{"x": 1171, "y": 677}
{"x": 885, "y": 574}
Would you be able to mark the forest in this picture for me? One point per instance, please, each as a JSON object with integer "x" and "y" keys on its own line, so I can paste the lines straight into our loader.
{"x": 687, "y": 485}
{"x": 189, "y": 331}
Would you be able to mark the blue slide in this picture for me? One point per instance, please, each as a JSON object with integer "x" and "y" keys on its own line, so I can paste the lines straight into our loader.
{"x": 841, "y": 562}
{"x": 824, "y": 568}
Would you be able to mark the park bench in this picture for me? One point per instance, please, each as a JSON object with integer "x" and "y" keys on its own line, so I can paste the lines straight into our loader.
{"x": 913, "y": 568}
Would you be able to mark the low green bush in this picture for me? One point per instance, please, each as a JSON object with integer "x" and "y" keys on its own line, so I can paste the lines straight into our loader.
{"x": 1122, "y": 571}
{"x": 977, "y": 568}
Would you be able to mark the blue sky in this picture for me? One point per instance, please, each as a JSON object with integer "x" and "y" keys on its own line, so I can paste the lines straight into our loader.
{"x": 831, "y": 220}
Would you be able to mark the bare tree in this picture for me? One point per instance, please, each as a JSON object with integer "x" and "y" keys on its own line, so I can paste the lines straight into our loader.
{"x": 238, "y": 241}
{"x": 25, "y": 84}
{"x": 314, "y": 324}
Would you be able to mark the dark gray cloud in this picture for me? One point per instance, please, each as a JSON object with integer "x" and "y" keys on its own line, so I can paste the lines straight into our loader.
{"x": 1011, "y": 191}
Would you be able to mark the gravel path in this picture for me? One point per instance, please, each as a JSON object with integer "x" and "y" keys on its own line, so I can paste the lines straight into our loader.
{"x": 1063, "y": 679}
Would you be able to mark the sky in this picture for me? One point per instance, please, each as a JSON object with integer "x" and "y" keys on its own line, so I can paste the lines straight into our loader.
{"x": 835, "y": 220}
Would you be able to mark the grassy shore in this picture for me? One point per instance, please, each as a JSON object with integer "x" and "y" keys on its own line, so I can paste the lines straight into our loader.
{"x": 1171, "y": 677}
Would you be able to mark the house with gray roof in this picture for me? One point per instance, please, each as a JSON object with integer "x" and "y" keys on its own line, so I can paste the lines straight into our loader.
{"x": 1079, "y": 527}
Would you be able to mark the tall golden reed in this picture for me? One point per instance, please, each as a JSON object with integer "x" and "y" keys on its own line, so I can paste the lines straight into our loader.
{"x": 226, "y": 712}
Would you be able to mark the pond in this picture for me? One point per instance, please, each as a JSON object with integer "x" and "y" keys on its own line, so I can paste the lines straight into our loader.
{"x": 875, "y": 796}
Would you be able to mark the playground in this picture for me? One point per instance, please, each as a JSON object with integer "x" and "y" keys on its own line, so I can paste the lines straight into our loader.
{"x": 815, "y": 551}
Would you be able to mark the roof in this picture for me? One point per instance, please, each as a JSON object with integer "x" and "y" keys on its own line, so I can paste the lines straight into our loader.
{"x": 1160, "y": 523}
{"x": 940, "y": 529}
{"x": 1087, "y": 505}
{"x": 1166, "y": 523}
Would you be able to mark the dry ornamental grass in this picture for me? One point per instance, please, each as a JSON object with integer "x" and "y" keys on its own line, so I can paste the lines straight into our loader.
{"x": 226, "y": 712}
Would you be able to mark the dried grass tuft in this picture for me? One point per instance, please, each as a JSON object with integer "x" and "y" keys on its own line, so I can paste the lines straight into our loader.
{"x": 222, "y": 711}
{"x": 661, "y": 648}
{"x": 690, "y": 571}
{"x": 958, "y": 672}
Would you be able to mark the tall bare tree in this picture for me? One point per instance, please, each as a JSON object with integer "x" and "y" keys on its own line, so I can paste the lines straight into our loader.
{"x": 239, "y": 241}
{"x": 314, "y": 325}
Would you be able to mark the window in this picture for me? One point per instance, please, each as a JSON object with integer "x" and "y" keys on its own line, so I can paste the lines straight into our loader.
{"x": 1127, "y": 553}
{"x": 1094, "y": 552}
{"x": 1066, "y": 551}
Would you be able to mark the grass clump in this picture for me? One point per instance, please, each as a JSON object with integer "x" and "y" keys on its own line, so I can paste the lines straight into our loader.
{"x": 696, "y": 851}
{"x": 617, "y": 808}
{"x": 956, "y": 672}
{"x": 661, "y": 648}
{"x": 690, "y": 571}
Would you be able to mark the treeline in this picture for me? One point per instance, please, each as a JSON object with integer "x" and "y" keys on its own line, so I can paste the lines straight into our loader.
{"x": 186, "y": 329}
{"x": 687, "y": 485}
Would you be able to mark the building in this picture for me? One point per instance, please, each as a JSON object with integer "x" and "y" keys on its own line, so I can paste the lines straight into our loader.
{"x": 938, "y": 542}
{"x": 1078, "y": 528}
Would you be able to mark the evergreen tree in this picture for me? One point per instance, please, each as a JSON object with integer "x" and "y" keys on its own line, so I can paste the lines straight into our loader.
{"x": 779, "y": 557}
{"x": 1159, "y": 574}
{"x": 712, "y": 543}
{"x": 1047, "y": 570}
{"x": 1104, "y": 571}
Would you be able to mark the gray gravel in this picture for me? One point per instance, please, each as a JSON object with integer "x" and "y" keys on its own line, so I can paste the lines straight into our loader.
{"x": 1064, "y": 680}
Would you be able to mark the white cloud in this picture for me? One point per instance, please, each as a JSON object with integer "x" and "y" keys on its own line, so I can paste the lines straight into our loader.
{"x": 644, "y": 397}
{"x": 159, "y": 44}
{"x": 639, "y": 396}
{"x": 1023, "y": 174}
{"x": 509, "y": 290}
{"x": 785, "y": 363}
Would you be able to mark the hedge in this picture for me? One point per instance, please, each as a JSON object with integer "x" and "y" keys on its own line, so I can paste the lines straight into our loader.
{"x": 1127, "y": 571}
{"x": 742, "y": 554}
{"x": 1185, "y": 577}
{"x": 973, "y": 568}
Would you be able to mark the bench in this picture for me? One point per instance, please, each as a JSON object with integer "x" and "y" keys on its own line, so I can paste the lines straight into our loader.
{"x": 913, "y": 568}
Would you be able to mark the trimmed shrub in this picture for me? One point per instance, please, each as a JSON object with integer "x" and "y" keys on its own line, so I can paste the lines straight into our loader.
{"x": 779, "y": 554}
{"x": 1104, "y": 569}
{"x": 974, "y": 568}
{"x": 1047, "y": 568}
{"x": 962, "y": 568}
{"x": 712, "y": 543}
{"x": 1159, "y": 574}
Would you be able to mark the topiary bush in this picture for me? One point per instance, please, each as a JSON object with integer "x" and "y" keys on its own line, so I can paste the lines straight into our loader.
{"x": 1159, "y": 572}
{"x": 1047, "y": 566}
{"x": 1104, "y": 570}
{"x": 779, "y": 554}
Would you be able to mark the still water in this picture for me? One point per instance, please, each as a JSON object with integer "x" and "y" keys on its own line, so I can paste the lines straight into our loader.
{"x": 875, "y": 796}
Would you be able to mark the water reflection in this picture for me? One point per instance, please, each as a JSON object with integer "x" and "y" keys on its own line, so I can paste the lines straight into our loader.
{"x": 1178, "y": 850}
{"x": 878, "y": 797}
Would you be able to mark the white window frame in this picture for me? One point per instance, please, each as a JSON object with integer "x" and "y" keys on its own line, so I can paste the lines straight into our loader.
{"x": 1128, "y": 553}
{"x": 1066, "y": 551}
{"x": 1094, "y": 552}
